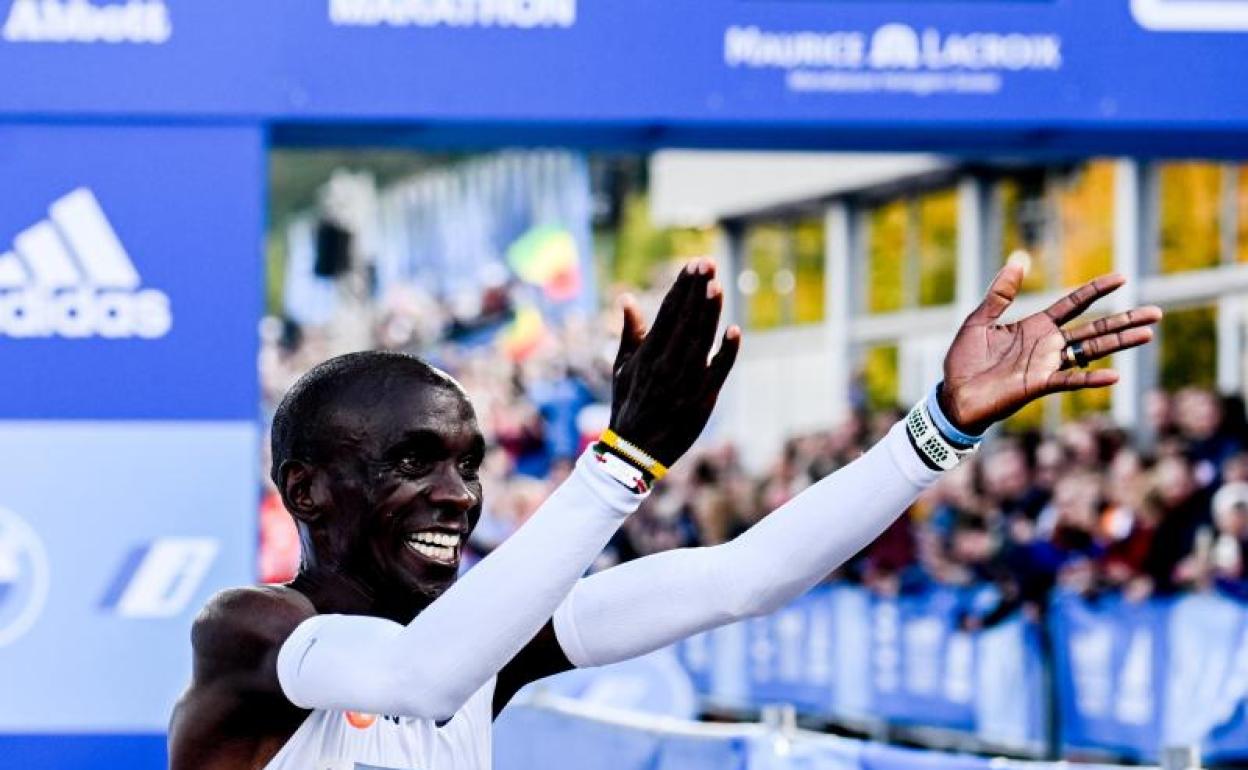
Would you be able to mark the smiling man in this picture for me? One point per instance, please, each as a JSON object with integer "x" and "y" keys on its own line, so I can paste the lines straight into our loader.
{"x": 375, "y": 656}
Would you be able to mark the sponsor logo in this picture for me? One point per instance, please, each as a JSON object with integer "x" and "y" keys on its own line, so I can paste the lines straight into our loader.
{"x": 70, "y": 276}
{"x": 361, "y": 721}
{"x": 159, "y": 579}
{"x": 519, "y": 14}
{"x": 24, "y": 577}
{"x": 82, "y": 21}
{"x": 893, "y": 57}
{"x": 1191, "y": 15}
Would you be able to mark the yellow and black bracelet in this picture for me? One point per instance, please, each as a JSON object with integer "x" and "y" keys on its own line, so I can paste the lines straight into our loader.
{"x": 634, "y": 453}
{"x": 627, "y": 463}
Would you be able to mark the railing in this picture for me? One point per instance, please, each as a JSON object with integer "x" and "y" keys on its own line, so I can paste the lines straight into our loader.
{"x": 1105, "y": 677}
{"x": 554, "y": 733}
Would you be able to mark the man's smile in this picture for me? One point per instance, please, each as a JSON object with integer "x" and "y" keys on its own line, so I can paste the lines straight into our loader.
{"x": 436, "y": 545}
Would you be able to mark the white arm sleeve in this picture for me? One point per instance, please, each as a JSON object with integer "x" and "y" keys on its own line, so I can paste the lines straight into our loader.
{"x": 430, "y": 667}
{"x": 652, "y": 602}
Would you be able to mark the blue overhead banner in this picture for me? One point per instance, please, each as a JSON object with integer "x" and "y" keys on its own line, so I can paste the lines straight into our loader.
{"x": 683, "y": 70}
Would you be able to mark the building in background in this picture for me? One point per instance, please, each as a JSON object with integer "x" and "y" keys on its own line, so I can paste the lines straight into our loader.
{"x": 851, "y": 272}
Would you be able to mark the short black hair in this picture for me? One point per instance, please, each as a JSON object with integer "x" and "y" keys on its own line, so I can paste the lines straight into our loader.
{"x": 298, "y": 417}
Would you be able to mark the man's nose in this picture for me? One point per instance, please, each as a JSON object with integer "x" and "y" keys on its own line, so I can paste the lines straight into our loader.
{"x": 449, "y": 490}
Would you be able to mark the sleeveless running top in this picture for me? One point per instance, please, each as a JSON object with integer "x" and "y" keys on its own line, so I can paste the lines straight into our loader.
{"x": 347, "y": 740}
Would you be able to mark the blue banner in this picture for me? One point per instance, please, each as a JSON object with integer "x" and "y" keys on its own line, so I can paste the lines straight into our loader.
{"x": 923, "y": 669}
{"x": 529, "y": 738}
{"x": 111, "y": 538}
{"x": 129, "y": 298}
{"x": 1111, "y": 672}
{"x": 844, "y": 652}
{"x": 129, "y": 282}
{"x": 706, "y": 70}
{"x": 1135, "y": 677}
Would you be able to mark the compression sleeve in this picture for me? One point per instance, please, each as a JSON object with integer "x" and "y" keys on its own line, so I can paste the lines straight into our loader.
{"x": 430, "y": 667}
{"x": 652, "y": 602}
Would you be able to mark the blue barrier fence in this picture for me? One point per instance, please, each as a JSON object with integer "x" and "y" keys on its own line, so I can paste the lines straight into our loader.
{"x": 1127, "y": 678}
{"x": 554, "y": 734}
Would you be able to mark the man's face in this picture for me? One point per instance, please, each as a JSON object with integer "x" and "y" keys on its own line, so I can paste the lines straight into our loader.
{"x": 407, "y": 485}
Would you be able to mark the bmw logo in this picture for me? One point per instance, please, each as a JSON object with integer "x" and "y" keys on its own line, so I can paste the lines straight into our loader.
{"x": 23, "y": 577}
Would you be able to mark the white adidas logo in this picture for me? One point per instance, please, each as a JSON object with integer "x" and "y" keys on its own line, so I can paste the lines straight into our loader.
{"x": 69, "y": 276}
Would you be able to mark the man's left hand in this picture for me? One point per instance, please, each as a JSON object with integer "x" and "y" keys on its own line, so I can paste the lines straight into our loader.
{"x": 993, "y": 369}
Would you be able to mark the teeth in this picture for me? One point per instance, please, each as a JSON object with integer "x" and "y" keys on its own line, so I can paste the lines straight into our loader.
{"x": 435, "y": 545}
{"x": 435, "y": 539}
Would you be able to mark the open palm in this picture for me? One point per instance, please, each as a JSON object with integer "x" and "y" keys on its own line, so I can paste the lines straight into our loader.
{"x": 993, "y": 369}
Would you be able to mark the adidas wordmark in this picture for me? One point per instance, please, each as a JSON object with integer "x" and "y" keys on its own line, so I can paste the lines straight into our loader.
{"x": 70, "y": 276}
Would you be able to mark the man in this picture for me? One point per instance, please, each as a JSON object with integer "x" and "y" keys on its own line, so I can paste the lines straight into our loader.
{"x": 376, "y": 657}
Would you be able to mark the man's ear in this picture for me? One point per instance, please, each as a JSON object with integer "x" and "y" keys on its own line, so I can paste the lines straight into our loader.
{"x": 305, "y": 491}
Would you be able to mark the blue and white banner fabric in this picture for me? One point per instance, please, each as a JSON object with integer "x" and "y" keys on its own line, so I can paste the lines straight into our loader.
{"x": 129, "y": 301}
{"x": 843, "y": 652}
{"x": 1134, "y": 677}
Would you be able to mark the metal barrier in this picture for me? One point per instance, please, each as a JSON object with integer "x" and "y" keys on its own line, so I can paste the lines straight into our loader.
{"x": 550, "y": 732}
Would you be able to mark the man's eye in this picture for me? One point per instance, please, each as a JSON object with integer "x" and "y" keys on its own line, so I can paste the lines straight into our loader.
{"x": 413, "y": 465}
{"x": 470, "y": 468}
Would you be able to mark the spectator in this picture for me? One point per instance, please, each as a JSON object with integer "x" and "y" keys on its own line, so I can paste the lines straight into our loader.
{"x": 1183, "y": 512}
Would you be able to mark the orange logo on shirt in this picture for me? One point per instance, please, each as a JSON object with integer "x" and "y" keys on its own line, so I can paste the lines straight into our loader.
{"x": 360, "y": 721}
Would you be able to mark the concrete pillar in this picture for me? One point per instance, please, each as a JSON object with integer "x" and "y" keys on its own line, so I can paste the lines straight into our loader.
{"x": 1135, "y": 248}
{"x": 1231, "y": 307}
{"x": 838, "y": 300}
{"x": 976, "y": 247}
{"x": 731, "y": 258}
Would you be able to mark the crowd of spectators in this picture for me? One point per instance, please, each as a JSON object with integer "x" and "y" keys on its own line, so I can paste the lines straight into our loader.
{"x": 1089, "y": 506}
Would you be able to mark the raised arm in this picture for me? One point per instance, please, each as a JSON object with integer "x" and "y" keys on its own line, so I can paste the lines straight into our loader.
{"x": 991, "y": 370}
{"x": 664, "y": 392}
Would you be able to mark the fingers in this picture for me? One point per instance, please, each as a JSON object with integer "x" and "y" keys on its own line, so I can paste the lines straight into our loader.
{"x": 1079, "y": 300}
{"x": 1078, "y": 379}
{"x": 1003, "y": 289}
{"x": 1140, "y": 316}
{"x": 634, "y": 330}
{"x": 722, "y": 363}
{"x": 1099, "y": 347}
{"x": 708, "y": 320}
{"x": 683, "y": 302}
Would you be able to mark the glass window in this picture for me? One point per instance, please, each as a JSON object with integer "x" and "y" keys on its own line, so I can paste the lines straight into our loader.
{"x": 886, "y": 257}
{"x": 783, "y": 273}
{"x": 1190, "y": 213}
{"x": 1189, "y": 348}
{"x": 1063, "y": 219}
{"x": 808, "y": 258}
{"x": 1024, "y": 219}
{"x": 938, "y": 246}
{"x": 912, "y": 251}
{"x": 765, "y": 257}
{"x": 1085, "y": 201}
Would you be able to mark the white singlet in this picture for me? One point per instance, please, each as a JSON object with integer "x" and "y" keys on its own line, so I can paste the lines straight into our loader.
{"x": 346, "y": 740}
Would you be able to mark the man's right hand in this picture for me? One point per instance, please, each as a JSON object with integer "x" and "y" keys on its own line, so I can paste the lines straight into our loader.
{"x": 664, "y": 388}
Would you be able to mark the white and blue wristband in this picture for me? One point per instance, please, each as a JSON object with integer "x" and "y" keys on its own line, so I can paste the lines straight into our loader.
{"x": 938, "y": 442}
{"x": 946, "y": 428}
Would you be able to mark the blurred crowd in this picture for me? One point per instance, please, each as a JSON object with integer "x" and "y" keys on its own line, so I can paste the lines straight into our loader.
{"x": 1084, "y": 507}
